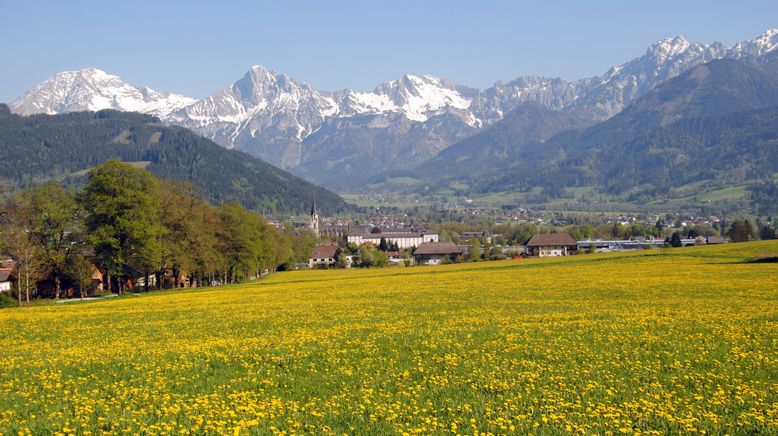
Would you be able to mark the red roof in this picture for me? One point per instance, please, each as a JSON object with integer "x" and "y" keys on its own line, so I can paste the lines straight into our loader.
{"x": 551, "y": 239}
{"x": 324, "y": 251}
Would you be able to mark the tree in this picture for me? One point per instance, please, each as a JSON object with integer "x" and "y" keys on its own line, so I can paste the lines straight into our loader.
{"x": 741, "y": 231}
{"x": 382, "y": 245}
{"x": 80, "y": 270}
{"x": 659, "y": 228}
{"x": 487, "y": 250}
{"x": 186, "y": 240}
{"x": 766, "y": 232}
{"x": 369, "y": 256}
{"x": 21, "y": 244}
{"x": 122, "y": 207}
{"x": 56, "y": 219}
{"x": 675, "y": 239}
{"x": 475, "y": 250}
{"x": 341, "y": 259}
{"x": 242, "y": 240}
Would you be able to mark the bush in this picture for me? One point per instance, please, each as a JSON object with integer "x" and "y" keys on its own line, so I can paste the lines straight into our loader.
{"x": 7, "y": 300}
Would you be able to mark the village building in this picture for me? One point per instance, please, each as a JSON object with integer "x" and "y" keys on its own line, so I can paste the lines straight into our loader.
{"x": 403, "y": 239}
{"x": 5, "y": 280}
{"x": 608, "y": 245}
{"x": 323, "y": 256}
{"x": 553, "y": 244}
{"x": 434, "y": 253}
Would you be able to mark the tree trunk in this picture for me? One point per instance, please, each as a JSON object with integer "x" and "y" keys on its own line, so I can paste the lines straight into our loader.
{"x": 108, "y": 281}
{"x": 57, "y": 286}
{"x": 27, "y": 283}
{"x": 146, "y": 281}
{"x": 81, "y": 291}
{"x": 19, "y": 290}
{"x": 175, "y": 278}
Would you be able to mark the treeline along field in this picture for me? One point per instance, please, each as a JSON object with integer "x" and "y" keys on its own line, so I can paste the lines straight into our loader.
{"x": 667, "y": 341}
{"x": 135, "y": 230}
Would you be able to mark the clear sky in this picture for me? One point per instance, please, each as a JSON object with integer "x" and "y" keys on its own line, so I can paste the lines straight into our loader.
{"x": 195, "y": 48}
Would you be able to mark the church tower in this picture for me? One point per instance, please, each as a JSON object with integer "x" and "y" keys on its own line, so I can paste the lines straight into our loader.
{"x": 314, "y": 226}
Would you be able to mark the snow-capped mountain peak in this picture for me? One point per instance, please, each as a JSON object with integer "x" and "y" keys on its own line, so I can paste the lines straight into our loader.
{"x": 668, "y": 47}
{"x": 93, "y": 89}
{"x": 766, "y": 42}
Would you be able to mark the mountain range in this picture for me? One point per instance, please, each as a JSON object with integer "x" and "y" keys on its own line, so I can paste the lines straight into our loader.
{"x": 345, "y": 138}
{"x": 709, "y": 133}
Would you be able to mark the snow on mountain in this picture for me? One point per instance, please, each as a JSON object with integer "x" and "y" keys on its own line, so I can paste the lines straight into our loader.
{"x": 416, "y": 97}
{"x": 765, "y": 44}
{"x": 92, "y": 89}
{"x": 271, "y": 115}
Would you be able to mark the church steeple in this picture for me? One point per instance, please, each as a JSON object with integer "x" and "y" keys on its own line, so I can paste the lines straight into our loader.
{"x": 314, "y": 226}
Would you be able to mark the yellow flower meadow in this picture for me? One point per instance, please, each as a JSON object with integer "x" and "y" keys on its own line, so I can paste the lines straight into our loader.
{"x": 665, "y": 341}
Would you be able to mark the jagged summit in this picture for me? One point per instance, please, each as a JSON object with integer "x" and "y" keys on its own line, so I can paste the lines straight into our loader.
{"x": 94, "y": 89}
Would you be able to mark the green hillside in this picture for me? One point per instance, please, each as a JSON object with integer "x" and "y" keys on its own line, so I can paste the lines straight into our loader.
{"x": 42, "y": 147}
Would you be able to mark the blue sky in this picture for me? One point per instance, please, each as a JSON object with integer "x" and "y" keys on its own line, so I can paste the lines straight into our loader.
{"x": 196, "y": 48}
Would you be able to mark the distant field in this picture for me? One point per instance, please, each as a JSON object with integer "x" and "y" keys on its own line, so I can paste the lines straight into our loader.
{"x": 664, "y": 341}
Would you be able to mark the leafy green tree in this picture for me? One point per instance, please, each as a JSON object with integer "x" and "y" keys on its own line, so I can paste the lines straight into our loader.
{"x": 675, "y": 239}
{"x": 189, "y": 239}
{"x": 369, "y": 256}
{"x": 659, "y": 228}
{"x": 741, "y": 231}
{"x": 242, "y": 238}
{"x": 475, "y": 250}
{"x": 80, "y": 270}
{"x": 122, "y": 218}
{"x": 57, "y": 218}
{"x": 303, "y": 240}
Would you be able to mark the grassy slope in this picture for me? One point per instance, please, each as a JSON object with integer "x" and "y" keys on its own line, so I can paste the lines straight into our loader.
{"x": 662, "y": 340}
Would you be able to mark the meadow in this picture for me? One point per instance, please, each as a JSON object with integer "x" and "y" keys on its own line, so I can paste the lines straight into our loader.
{"x": 662, "y": 341}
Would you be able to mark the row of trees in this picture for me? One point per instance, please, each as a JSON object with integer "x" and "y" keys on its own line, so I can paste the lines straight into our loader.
{"x": 138, "y": 229}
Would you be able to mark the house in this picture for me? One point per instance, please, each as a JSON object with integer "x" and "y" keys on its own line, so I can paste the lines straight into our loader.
{"x": 5, "y": 280}
{"x": 434, "y": 253}
{"x": 553, "y": 244}
{"x": 323, "y": 256}
{"x": 403, "y": 239}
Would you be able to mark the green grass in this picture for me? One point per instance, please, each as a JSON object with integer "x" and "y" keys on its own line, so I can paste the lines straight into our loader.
{"x": 669, "y": 341}
{"x": 730, "y": 193}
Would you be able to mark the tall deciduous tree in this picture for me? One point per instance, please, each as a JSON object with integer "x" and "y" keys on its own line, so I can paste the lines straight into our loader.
{"x": 122, "y": 207}
{"x": 21, "y": 244}
{"x": 242, "y": 238}
{"x": 56, "y": 218}
{"x": 741, "y": 231}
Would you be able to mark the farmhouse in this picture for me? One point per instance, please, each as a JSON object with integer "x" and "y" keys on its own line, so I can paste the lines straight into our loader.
{"x": 5, "y": 280}
{"x": 433, "y": 253}
{"x": 323, "y": 256}
{"x": 403, "y": 239}
{"x": 554, "y": 244}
